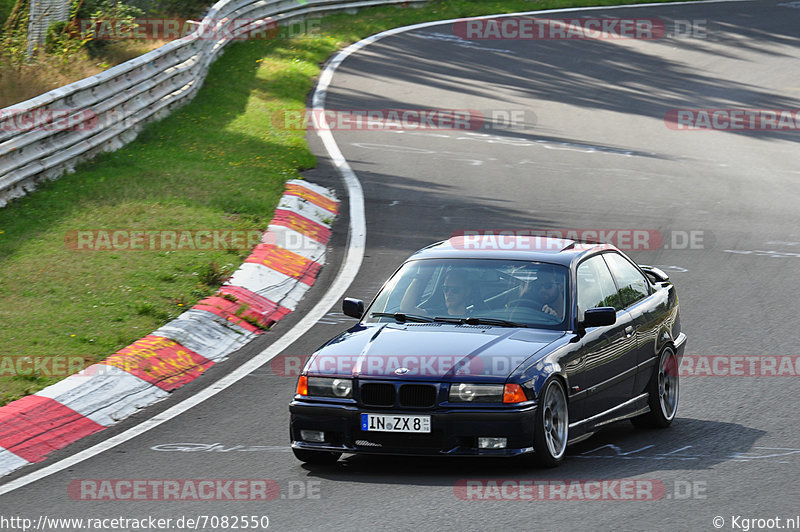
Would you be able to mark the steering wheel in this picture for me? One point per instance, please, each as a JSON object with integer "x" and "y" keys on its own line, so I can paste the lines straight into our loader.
{"x": 524, "y": 302}
{"x": 535, "y": 306}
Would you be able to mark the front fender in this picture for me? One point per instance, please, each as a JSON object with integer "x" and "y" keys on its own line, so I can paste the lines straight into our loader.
{"x": 562, "y": 359}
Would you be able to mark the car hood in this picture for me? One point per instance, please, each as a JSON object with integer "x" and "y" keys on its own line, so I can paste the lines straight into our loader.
{"x": 429, "y": 351}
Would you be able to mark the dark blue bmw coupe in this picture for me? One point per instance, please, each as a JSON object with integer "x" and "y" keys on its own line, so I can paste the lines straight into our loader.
{"x": 494, "y": 346}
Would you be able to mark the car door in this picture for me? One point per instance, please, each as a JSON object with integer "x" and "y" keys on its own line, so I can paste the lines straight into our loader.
{"x": 609, "y": 352}
{"x": 646, "y": 308}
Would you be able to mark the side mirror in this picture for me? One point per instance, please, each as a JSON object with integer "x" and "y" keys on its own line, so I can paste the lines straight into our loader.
{"x": 597, "y": 317}
{"x": 353, "y": 307}
{"x": 656, "y": 274}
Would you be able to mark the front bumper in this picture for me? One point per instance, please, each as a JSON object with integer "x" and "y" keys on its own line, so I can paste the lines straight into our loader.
{"x": 454, "y": 431}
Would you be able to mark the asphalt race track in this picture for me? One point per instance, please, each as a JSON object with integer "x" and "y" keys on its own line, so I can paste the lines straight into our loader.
{"x": 592, "y": 151}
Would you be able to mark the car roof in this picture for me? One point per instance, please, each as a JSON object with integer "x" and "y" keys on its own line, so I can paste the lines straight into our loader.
{"x": 512, "y": 247}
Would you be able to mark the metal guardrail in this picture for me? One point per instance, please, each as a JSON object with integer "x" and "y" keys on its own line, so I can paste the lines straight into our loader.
{"x": 46, "y": 136}
{"x": 42, "y": 13}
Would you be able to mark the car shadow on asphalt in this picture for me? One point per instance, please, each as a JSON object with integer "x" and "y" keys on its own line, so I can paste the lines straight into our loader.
{"x": 617, "y": 451}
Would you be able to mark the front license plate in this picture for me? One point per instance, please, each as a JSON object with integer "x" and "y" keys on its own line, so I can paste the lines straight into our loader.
{"x": 384, "y": 423}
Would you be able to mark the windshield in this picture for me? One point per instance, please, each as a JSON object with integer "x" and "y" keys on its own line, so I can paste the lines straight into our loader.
{"x": 478, "y": 291}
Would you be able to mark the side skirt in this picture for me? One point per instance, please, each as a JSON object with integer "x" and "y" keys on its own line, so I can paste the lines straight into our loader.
{"x": 632, "y": 408}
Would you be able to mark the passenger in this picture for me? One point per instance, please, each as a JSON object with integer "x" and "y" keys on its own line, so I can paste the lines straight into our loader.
{"x": 549, "y": 292}
{"x": 457, "y": 293}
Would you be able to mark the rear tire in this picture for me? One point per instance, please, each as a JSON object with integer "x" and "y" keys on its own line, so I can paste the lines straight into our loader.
{"x": 316, "y": 457}
{"x": 664, "y": 392}
{"x": 551, "y": 427}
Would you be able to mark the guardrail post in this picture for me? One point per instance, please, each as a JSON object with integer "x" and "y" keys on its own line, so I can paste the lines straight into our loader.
{"x": 42, "y": 14}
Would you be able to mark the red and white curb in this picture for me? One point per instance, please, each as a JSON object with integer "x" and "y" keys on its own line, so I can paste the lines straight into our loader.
{"x": 262, "y": 291}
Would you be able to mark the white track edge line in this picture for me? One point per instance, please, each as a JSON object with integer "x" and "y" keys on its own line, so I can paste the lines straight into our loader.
{"x": 357, "y": 236}
{"x": 352, "y": 262}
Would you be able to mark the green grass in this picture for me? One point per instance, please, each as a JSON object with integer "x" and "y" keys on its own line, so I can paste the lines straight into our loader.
{"x": 217, "y": 164}
{"x": 5, "y": 9}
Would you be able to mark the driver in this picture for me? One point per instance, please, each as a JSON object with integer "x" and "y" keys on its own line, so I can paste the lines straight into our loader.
{"x": 545, "y": 294}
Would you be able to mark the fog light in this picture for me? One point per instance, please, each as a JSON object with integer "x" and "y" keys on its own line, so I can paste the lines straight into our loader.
{"x": 316, "y": 436}
{"x": 492, "y": 443}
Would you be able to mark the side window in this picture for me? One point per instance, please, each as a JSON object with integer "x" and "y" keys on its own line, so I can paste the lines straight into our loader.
{"x": 633, "y": 286}
{"x": 596, "y": 287}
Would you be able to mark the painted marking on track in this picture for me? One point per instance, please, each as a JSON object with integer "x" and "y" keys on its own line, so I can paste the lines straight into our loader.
{"x": 765, "y": 253}
{"x": 193, "y": 447}
{"x": 619, "y": 450}
{"x": 464, "y": 43}
{"x": 508, "y": 141}
{"x": 335, "y": 318}
{"x": 674, "y": 269}
{"x": 781, "y": 243}
{"x": 391, "y": 148}
{"x": 756, "y": 454}
{"x": 451, "y": 155}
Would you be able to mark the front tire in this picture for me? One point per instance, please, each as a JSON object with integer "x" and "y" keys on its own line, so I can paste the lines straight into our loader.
{"x": 664, "y": 392}
{"x": 316, "y": 457}
{"x": 551, "y": 427}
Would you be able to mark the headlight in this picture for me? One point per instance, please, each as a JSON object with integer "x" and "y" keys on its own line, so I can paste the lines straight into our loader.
{"x": 476, "y": 393}
{"x": 327, "y": 387}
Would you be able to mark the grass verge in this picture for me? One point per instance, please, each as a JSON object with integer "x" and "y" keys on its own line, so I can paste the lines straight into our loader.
{"x": 21, "y": 82}
{"x": 216, "y": 164}
{"x": 5, "y": 9}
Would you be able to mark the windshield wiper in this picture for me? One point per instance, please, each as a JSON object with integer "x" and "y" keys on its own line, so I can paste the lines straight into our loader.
{"x": 480, "y": 321}
{"x": 402, "y": 318}
{"x": 449, "y": 320}
{"x": 493, "y": 321}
